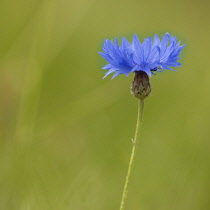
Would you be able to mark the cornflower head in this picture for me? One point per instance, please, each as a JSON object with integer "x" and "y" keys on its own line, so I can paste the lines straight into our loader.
{"x": 141, "y": 58}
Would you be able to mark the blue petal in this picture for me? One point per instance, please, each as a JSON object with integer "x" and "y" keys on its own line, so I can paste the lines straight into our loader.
{"x": 156, "y": 40}
{"x": 116, "y": 74}
{"x": 107, "y": 66}
{"x": 109, "y": 72}
{"x": 139, "y": 51}
{"x": 147, "y": 48}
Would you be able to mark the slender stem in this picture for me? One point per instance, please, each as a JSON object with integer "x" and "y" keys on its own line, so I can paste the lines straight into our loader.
{"x": 139, "y": 122}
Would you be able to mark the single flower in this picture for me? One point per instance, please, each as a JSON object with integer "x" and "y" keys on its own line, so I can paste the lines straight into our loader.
{"x": 148, "y": 56}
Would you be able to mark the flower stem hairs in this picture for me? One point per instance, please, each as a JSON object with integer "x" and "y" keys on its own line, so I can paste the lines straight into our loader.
{"x": 144, "y": 59}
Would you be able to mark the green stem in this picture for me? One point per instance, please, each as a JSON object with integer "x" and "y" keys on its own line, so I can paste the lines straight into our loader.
{"x": 130, "y": 166}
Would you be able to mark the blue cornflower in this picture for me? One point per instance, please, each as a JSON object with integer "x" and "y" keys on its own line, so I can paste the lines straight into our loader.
{"x": 148, "y": 56}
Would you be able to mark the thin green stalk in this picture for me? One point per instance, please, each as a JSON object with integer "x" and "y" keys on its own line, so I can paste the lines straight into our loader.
{"x": 130, "y": 166}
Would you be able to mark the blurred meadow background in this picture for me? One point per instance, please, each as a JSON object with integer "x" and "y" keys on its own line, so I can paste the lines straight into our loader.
{"x": 65, "y": 134}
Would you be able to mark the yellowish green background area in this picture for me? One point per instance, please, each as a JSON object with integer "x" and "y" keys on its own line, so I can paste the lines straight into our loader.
{"x": 65, "y": 134}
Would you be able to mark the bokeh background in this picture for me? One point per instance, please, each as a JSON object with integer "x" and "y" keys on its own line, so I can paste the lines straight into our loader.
{"x": 65, "y": 134}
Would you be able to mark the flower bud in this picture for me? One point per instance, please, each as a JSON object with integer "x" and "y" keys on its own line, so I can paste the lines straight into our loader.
{"x": 141, "y": 86}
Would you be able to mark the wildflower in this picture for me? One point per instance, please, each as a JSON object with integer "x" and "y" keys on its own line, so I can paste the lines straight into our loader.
{"x": 149, "y": 56}
{"x": 143, "y": 59}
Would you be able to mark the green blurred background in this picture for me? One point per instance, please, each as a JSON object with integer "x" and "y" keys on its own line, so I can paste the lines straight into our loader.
{"x": 65, "y": 134}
